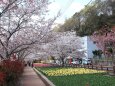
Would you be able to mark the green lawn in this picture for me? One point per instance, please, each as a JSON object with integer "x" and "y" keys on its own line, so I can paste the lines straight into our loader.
{"x": 77, "y": 77}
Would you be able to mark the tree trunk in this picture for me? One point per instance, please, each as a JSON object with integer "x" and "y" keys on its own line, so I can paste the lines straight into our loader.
{"x": 62, "y": 59}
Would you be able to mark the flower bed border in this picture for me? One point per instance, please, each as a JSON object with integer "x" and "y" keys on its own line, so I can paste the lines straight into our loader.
{"x": 44, "y": 78}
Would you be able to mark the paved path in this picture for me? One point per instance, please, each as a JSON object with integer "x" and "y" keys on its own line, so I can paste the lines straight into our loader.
{"x": 30, "y": 78}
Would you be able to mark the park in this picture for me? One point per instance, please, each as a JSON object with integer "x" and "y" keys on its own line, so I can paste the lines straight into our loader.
{"x": 57, "y": 43}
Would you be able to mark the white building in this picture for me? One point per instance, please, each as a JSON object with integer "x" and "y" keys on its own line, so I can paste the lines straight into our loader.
{"x": 89, "y": 46}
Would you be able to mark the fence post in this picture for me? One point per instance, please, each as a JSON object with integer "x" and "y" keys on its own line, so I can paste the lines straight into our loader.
{"x": 92, "y": 66}
{"x": 107, "y": 69}
{"x": 76, "y": 65}
{"x": 96, "y": 67}
{"x": 88, "y": 66}
{"x": 114, "y": 69}
{"x": 101, "y": 67}
{"x": 84, "y": 66}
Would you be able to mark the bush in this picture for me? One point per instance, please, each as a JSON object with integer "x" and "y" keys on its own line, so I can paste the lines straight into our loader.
{"x": 12, "y": 70}
{"x": 2, "y": 78}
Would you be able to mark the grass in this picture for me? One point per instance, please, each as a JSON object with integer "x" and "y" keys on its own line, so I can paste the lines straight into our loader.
{"x": 61, "y": 77}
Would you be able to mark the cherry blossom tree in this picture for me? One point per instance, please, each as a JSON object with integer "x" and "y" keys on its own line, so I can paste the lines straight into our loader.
{"x": 65, "y": 44}
{"x": 105, "y": 40}
{"x": 23, "y": 24}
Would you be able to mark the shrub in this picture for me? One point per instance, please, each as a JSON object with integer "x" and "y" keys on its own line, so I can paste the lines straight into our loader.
{"x": 2, "y": 78}
{"x": 12, "y": 69}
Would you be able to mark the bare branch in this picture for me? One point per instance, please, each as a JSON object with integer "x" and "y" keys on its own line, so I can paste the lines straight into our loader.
{"x": 1, "y": 56}
{"x": 15, "y": 49}
{"x": 18, "y": 27}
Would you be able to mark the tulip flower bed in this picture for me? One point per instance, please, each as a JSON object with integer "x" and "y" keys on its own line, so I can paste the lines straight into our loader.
{"x": 77, "y": 77}
{"x": 43, "y": 65}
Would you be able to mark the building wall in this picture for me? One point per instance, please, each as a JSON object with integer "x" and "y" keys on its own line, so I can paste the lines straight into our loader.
{"x": 89, "y": 46}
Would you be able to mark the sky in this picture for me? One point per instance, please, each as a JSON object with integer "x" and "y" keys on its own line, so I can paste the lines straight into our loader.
{"x": 67, "y": 8}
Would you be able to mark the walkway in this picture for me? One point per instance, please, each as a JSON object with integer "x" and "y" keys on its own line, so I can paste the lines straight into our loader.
{"x": 30, "y": 78}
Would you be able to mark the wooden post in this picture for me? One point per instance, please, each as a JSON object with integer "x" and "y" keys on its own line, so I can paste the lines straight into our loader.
{"x": 107, "y": 69}
{"x": 96, "y": 67}
{"x": 101, "y": 67}
{"x": 88, "y": 66}
{"x": 114, "y": 69}
{"x": 92, "y": 66}
{"x": 84, "y": 66}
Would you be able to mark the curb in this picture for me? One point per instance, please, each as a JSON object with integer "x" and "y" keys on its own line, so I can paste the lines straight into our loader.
{"x": 44, "y": 78}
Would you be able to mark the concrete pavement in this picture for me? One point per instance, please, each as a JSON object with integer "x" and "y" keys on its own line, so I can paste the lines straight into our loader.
{"x": 30, "y": 78}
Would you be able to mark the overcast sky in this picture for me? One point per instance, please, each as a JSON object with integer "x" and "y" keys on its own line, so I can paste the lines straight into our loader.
{"x": 67, "y": 7}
